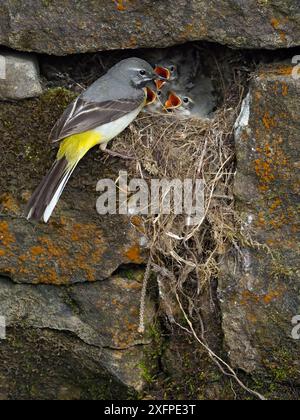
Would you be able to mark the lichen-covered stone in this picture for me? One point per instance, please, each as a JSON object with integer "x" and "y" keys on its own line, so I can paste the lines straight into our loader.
{"x": 19, "y": 76}
{"x": 73, "y": 343}
{"x": 61, "y": 28}
{"x": 260, "y": 286}
{"x": 77, "y": 245}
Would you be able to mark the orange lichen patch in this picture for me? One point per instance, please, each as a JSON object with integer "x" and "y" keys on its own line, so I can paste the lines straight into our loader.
{"x": 275, "y": 205}
{"x": 127, "y": 336}
{"x": 278, "y": 216}
{"x": 295, "y": 228}
{"x": 6, "y": 237}
{"x": 126, "y": 284}
{"x": 53, "y": 250}
{"x": 279, "y": 221}
{"x": 37, "y": 250}
{"x": 132, "y": 41}
{"x": 252, "y": 318}
{"x": 275, "y": 23}
{"x": 133, "y": 286}
{"x": 282, "y": 35}
{"x": 188, "y": 31}
{"x": 284, "y": 71}
{"x": 9, "y": 203}
{"x": 277, "y": 71}
{"x": 250, "y": 297}
{"x": 134, "y": 255}
{"x": 120, "y": 5}
{"x": 269, "y": 121}
{"x": 2, "y": 252}
{"x": 258, "y": 95}
{"x": 264, "y": 172}
{"x": 138, "y": 223}
{"x": 273, "y": 295}
{"x": 138, "y": 24}
{"x": 271, "y": 163}
{"x": 64, "y": 258}
{"x": 134, "y": 311}
{"x": 285, "y": 89}
{"x": 116, "y": 302}
{"x": 261, "y": 221}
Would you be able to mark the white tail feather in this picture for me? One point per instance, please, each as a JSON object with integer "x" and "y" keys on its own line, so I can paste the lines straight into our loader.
{"x": 51, "y": 206}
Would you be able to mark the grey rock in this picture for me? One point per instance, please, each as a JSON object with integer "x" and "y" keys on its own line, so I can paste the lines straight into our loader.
{"x": 19, "y": 76}
{"x": 77, "y": 245}
{"x": 69, "y": 27}
{"x": 259, "y": 288}
{"x": 97, "y": 325}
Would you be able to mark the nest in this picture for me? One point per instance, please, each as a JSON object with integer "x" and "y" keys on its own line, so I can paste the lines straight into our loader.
{"x": 166, "y": 147}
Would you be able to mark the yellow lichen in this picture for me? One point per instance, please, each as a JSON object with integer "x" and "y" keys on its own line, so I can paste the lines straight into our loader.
{"x": 9, "y": 203}
{"x": 134, "y": 255}
{"x": 6, "y": 237}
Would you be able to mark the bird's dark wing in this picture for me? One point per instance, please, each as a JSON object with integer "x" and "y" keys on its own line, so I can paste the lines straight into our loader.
{"x": 83, "y": 116}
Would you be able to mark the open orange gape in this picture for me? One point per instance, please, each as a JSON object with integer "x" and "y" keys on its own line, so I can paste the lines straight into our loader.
{"x": 151, "y": 96}
{"x": 163, "y": 72}
{"x": 173, "y": 102}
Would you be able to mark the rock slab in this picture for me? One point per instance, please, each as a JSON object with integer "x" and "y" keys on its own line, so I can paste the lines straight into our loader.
{"x": 68, "y": 27}
{"x": 77, "y": 245}
{"x": 19, "y": 76}
{"x": 260, "y": 286}
{"x": 75, "y": 342}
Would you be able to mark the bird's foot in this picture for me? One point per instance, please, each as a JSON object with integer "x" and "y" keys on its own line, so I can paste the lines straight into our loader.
{"x": 116, "y": 154}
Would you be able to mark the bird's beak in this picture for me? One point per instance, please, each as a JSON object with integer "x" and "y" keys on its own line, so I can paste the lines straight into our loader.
{"x": 162, "y": 75}
{"x": 151, "y": 96}
{"x": 173, "y": 102}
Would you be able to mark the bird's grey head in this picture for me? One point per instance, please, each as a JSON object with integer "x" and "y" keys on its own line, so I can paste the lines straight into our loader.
{"x": 135, "y": 71}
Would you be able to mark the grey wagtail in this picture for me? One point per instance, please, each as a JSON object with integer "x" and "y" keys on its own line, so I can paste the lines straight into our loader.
{"x": 98, "y": 115}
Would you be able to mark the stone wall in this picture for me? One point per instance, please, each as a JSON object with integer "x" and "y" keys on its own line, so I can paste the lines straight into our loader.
{"x": 259, "y": 288}
{"x": 68, "y": 27}
{"x": 70, "y": 290}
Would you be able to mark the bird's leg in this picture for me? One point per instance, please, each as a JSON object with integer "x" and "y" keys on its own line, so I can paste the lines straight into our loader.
{"x": 103, "y": 148}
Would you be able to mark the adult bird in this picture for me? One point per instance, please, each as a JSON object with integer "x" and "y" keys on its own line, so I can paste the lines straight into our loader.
{"x": 98, "y": 115}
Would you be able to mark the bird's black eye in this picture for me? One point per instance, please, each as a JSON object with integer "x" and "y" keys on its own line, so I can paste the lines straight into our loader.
{"x": 158, "y": 92}
{"x": 186, "y": 100}
{"x": 172, "y": 69}
{"x": 143, "y": 72}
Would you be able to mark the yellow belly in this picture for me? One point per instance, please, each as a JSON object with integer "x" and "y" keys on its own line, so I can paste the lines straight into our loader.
{"x": 73, "y": 148}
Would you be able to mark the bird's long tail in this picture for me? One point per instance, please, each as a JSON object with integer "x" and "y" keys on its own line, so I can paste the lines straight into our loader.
{"x": 46, "y": 196}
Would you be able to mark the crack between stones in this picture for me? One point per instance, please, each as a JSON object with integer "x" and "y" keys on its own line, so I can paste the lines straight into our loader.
{"x": 104, "y": 347}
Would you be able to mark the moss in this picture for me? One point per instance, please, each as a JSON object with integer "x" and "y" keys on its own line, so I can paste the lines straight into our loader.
{"x": 46, "y": 3}
{"x": 25, "y": 127}
{"x": 280, "y": 270}
{"x": 41, "y": 367}
{"x": 282, "y": 367}
{"x": 150, "y": 366}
